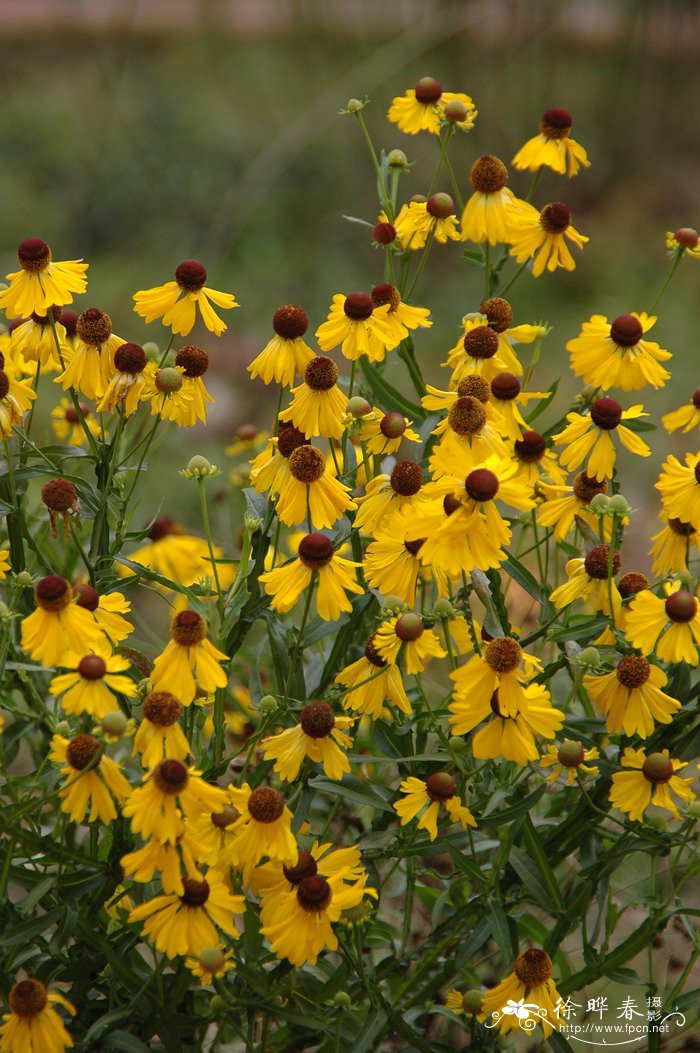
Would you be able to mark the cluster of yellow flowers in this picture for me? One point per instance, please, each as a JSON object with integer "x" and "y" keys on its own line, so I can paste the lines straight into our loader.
{"x": 401, "y": 528}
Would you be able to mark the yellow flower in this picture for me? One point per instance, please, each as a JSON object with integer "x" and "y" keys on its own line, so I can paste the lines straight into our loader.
{"x": 671, "y": 546}
{"x": 176, "y": 302}
{"x": 188, "y": 923}
{"x": 159, "y": 735}
{"x": 470, "y": 1003}
{"x": 422, "y": 109}
{"x": 33, "y": 1025}
{"x": 588, "y": 580}
{"x": 511, "y": 737}
{"x": 33, "y": 339}
{"x": 631, "y": 697}
{"x": 426, "y": 797}
{"x": 58, "y": 624}
{"x": 684, "y": 238}
{"x": 212, "y": 964}
{"x": 569, "y": 757}
{"x": 402, "y": 317}
{"x": 386, "y": 494}
{"x": 686, "y": 417}
{"x": 535, "y": 459}
{"x": 107, "y": 611}
{"x": 126, "y": 387}
{"x": 168, "y": 791}
{"x": 615, "y": 354}
{"x": 270, "y": 469}
{"x": 680, "y": 488}
{"x": 188, "y": 404}
{"x": 488, "y": 214}
{"x": 66, "y": 423}
{"x": 320, "y": 736}
{"x": 93, "y": 780}
{"x": 175, "y": 554}
{"x": 16, "y": 396}
{"x": 287, "y": 354}
{"x": 531, "y": 981}
{"x": 90, "y": 366}
{"x": 170, "y": 858}
{"x": 590, "y": 436}
{"x": 668, "y": 628}
{"x": 407, "y": 633}
{"x": 263, "y": 827}
{"x": 318, "y": 404}
{"x": 506, "y": 397}
{"x": 502, "y": 666}
{"x": 5, "y": 564}
{"x": 486, "y": 345}
{"x": 469, "y": 434}
{"x": 391, "y": 564}
{"x": 553, "y": 146}
{"x": 651, "y": 782}
{"x": 372, "y": 680}
{"x": 433, "y": 218}
{"x": 316, "y": 559}
{"x": 310, "y": 492}
{"x": 541, "y": 236}
{"x": 88, "y": 689}
{"x": 382, "y": 433}
{"x": 563, "y": 503}
{"x": 189, "y": 656}
{"x": 40, "y": 283}
{"x": 358, "y": 327}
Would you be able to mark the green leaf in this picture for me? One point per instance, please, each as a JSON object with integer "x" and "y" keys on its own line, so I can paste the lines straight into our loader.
{"x": 558, "y": 1043}
{"x": 501, "y": 932}
{"x": 527, "y": 871}
{"x": 515, "y": 811}
{"x": 25, "y": 933}
{"x": 123, "y": 1042}
{"x": 354, "y": 790}
{"x": 373, "y": 1028}
{"x": 518, "y": 572}
{"x": 543, "y": 403}
{"x": 538, "y": 855}
{"x": 388, "y": 396}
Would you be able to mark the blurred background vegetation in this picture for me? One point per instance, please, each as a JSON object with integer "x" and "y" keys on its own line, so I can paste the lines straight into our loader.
{"x": 137, "y": 134}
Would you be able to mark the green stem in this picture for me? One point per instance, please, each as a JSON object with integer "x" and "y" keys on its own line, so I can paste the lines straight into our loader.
{"x": 674, "y": 265}
{"x": 207, "y": 533}
{"x": 298, "y": 648}
{"x": 386, "y": 198}
{"x": 423, "y": 260}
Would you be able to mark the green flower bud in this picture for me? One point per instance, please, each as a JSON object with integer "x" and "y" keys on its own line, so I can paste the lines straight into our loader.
{"x": 342, "y": 999}
{"x": 151, "y": 348}
{"x": 63, "y": 728}
{"x": 599, "y": 505}
{"x": 198, "y": 467}
{"x": 24, "y": 580}
{"x": 267, "y": 704}
{"x": 252, "y": 523}
{"x": 114, "y": 723}
{"x": 472, "y": 1002}
{"x": 211, "y": 959}
{"x": 217, "y": 1006}
{"x": 393, "y": 603}
{"x": 589, "y": 657}
{"x": 354, "y": 106}
{"x": 619, "y": 505}
{"x": 397, "y": 159}
{"x": 444, "y": 609}
{"x": 358, "y": 407}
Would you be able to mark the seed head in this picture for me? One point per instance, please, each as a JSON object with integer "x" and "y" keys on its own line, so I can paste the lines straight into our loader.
{"x": 632, "y": 583}
{"x": 392, "y": 425}
{"x": 384, "y": 233}
{"x": 223, "y": 819}
{"x": 168, "y": 380}
{"x": 555, "y": 218}
{"x": 307, "y": 464}
{"x": 314, "y": 894}
{"x": 428, "y": 90}
{"x": 570, "y": 754}
{"x": 606, "y": 413}
{"x": 681, "y": 606}
{"x": 505, "y": 386}
{"x": 533, "y": 967}
{"x": 193, "y": 360}
{"x": 556, "y": 123}
{"x": 162, "y": 709}
{"x": 633, "y": 670}
{"x": 414, "y": 547}
{"x": 657, "y": 768}
{"x": 596, "y": 562}
{"x": 92, "y": 667}
{"x": 409, "y": 627}
{"x": 499, "y": 313}
{"x": 28, "y": 997}
{"x": 289, "y": 439}
{"x": 687, "y": 237}
{"x": 358, "y": 306}
{"x": 53, "y": 593}
{"x": 211, "y": 959}
{"x": 386, "y": 293}
{"x": 440, "y": 786}
{"x": 290, "y": 321}
{"x": 467, "y": 415}
{"x": 94, "y": 326}
{"x": 321, "y": 373}
{"x": 406, "y": 478}
{"x": 481, "y": 342}
{"x": 59, "y": 495}
{"x": 188, "y": 628}
{"x": 4, "y": 384}
{"x": 372, "y": 654}
{"x": 503, "y": 654}
{"x": 265, "y": 805}
{"x": 81, "y": 750}
{"x": 440, "y": 206}
{"x": 456, "y": 111}
{"x": 87, "y": 597}
{"x": 474, "y": 385}
{"x": 472, "y": 1002}
{"x": 191, "y": 276}
{"x": 170, "y": 776}
{"x": 34, "y": 255}
{"x": 69, "y": 320}
{"x": 531, "y": 448}
{"x": 586, "y": 488}
{"x": 195, "y": 893}
{"x": 315, "y": 551}
{"x": 130, "y": 358}
{"x": 488, "y": 174}
{"x": 626, "y": 330}
{"x": 305, "y": 867}
{"x": 481, "y": 485}
{"x": 317, "y": 720}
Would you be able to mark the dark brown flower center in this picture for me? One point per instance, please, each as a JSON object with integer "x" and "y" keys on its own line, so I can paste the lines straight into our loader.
{"x": 130, "y": 358}
{"x": 488, "y": 174}
{"x": 28, "y": 997}
{"x": 92, "y": 667}
{"x": 505, "y": 386}
{"x": 392, "y": 425}
{"x": 503, "y": 654}
{"x": 440, "y": 206}
{"x": 440, "y": 786}
{"x": 555, "y": 218}
{"x": 162, "y": 709}
{"x": 632, "y": 583}
{"x": 687, "y": 237}
{"x": 321, "y": 373}
{"x": 195, "y": 893}
{"x": 481, "y": 342}
{"x": 290, "y": 321}
{"x": 384, "y": 233}
{"x": 87, "y": 597}
{"x": 53, "y": 593}
{"x": 556, "y": 123}
{"x": 81, "y": 750}
{"x": 358, "y": 306}
{"x": 495, "y": 707}
{"x": 307, "y": 464}
{"x": 633, "y": 670}
{"x": 428, "y": 90}
{"x": 58, "y": 495}
{"x": 188, "y": 629}
{"x": 570, "y": 754}
{"x": 475, "y": 385}
{"x": 314, "y": 893}
{"x": 315, "y": 551}
{"x": 414, "y": 547}
{"x": 372, "y": 654}
{"x": 34, "y": 255}
{"x": 94, "y": 326}
{"x": 305, "y": 867}
{"x": 317, "y": 720}
{"x": 586, "y": 488}
{"x": 531, "y": 447}
{"x": 533, "y": 967}
{"x": 499, "y": 313}
{"x": 289, "y": 439}
{"x": 385, "y": 293}
{"x": 69, "y": 320}
{"x": 221, "y": 820}
{"x": 194, "y": 360}
{"x": 683, "y": 529}
{"x": 481, "y": 485}
{"x": 265, "y": 805}
{"x": 657, "y": 768}
{"x": 596, "y": 562}
{"x": 163, "y": 526}
{"x": 191, "y": 276}
{"x": 606, "y": 413}
{"x": 450, "y": 504}
{"x": 406, "y": 478}
{"x": 681, "y": 606}
{"x": 626, "y": 330}
{"x": 4, "y": 384}
{"x": 409, "y": 627}
{"x": 467, "y": 415}
{"x": 170, "y": 776}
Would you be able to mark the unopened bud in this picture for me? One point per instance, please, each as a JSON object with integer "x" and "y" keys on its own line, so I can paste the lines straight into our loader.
{"x": 114, "y": 723}
{"x": 24, "y": 580}
{"x": 589, "y": 657}
{"x": 397, "y": 159}
{"x": 618, "y": 505}
{"x": 267, "y": 704}
{"x": 358, "y": 407}
{"x": 342, "y": 999}
{"x": 599, "y": 505}
{"x": 354, "y": 106}
{"x": 444, "y": 609}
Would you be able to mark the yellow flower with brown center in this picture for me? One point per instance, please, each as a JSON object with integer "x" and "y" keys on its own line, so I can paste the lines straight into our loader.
{"x": 542, "y": 237}
{"x": 167, "y": 792}
{"x": 90, "y": 365}
{"x": 480, "y": 354}
{"x": 263, "y": 827}
{"x": 33, "y": 1025}
{"x": 488, "y": 214}
{"x": 160, "y": 735}
{"x": 358, "y": 327}
{"x": 631, "y": 698}
{"x": 652, "y": 781}
{"x": 426, "y": 797}
{"x": 318, "y": 404}
{"x": 16, "y": 396}
{"x": 409, "y": 635}
{"x": 286, "y": 355}
{"x": 531, "y": 981}
{"x": 174, "y": 860}
{"x": 189, "y": 657}
{"x": 563, "y": 504}
{"x": 502, "y": 666}
{"x": 213, "y": 835}
{"x": 188, "y": 923}
{"x": 66, "y": 423}
{"x": 469, "y": 434}
{"x": 316, "y": 560}
{"x": 569, "y": 757}
{"x": 372, "y": 680}
{"x": 320, "y": 736}
{"x": 402, "y": 317}
{"x": 176, "y": 302}
{"x": 616, "y": 354}
{"x": 41, "y": 282}
{"x": 126, "y": 386}
{"x": 33, "y": 339}
{"x": 589, "y": 435}
{"x": 553, "y": 147}
{"x": 58, "y": 624}
{"x": 93, "y": 781}
{"x": 686, "y": 417}
{"x": 511, "y": 737}
{"x": 427, "y": 218}
{"x": 212, "y": 963}
{"x": 382, "y": 433}
{"x": 671, "y": 546}
{"x": 107, "y": 610}
{"x": 468, "y": 1004}
{"x": 92, "y": 683}
{"x": 679, "y": 486}
{"x": 269, "y": 470}
{"x": 391, "y": 563}
{"x": 173, "y": 553}
{"x": 668, "y": 628}
{"x": 310, "y": 492}
{"x": 591, "y": 579}
{"x": 422, "y": 109}
{"x": 386, "y": 494}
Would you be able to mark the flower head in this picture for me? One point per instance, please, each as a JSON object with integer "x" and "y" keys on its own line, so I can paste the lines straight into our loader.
{"x": 422, "y": 109}
{"x": 426, "y": 797}
{"x": 589, "y": 435}
{"x": 33, "y": 1025}
{"x": 553, "y": 147}
{"x": 542, "y": 237}
{"x": 176, "y": 302}
{"x": 189, "y": 657}
{"x": 41, "y": 282}
{"x": 92, "y": 781}
{"x": 651, "y": 781}
{"x": 320, "y": 736}
{"x": 616, "y": 354}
